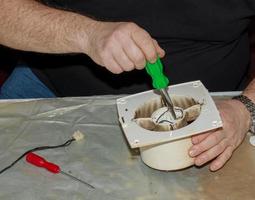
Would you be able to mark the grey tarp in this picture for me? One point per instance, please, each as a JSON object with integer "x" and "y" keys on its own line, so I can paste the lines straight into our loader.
{"x": 103, "y": 158}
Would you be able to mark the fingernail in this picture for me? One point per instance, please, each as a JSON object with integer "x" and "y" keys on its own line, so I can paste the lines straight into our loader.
{"x": 192, "y": 152}
{"x": 163, "y": 53}
{"x": 194, "y": 140}
{"x": 214, "y": 167}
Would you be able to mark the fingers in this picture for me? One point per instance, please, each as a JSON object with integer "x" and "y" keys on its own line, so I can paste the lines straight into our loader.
{"x": 210, "y": 141}
{"x": 219, "y": 145}
{"x": 143, "y": 40}
{"x": 136, "y": 49}
{"x": 137, "y": 56}
{"x": 211, "y": 153}
{"x": 122, "y": 59}
{"x": 134, "y": 53}
{"x": 123, "y": 47}
{"x": 198, "y": 138}
{"x": 113, "y": 66}
{"x": 222, "y": 159}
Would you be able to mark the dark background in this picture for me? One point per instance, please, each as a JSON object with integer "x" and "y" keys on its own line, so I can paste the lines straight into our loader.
{"x": 8, "y": 59}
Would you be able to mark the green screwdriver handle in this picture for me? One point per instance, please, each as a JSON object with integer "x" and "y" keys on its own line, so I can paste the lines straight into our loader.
{"x": 155, "y": 70}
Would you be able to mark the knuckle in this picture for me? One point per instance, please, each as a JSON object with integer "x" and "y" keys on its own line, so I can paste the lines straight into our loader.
{"x": 146, "y": 35}
{"x": 220, "y": 147}
{"x": 230, "y": 140}
{"x": 147, "y": 43}
{"x": 204, "y": 158}
{"x": 231, "y": 148}
{"x": 139, "y": 60}
{"x": 127, "y": 65}
{"x": 130, "y": 65}
{"x": 140, "y": 67}
{"x": 131, "y": 25}
{"x": 116, "y": 71}
{"x": 227, "y": 155}
{"x": 129, "y": 68}
{"x": 110, "y": 43}
{"x": 104, "y": 48}
{"x": 202, "y": 146}
{"x": 199, "y": 138}
{"x": 101, "y": 51}
{"x": 151, "y": 55}
{"x": 126, "y": 28}
{"x": 118, "y": 34}
{"x": 235, "y": 142}
{"x": 215, "y": 137}
{"x": 105, "y": 63}
{"x": 112, "y": 68}
{"x": 104, "y": 57}
{"x": 141, "y": 34}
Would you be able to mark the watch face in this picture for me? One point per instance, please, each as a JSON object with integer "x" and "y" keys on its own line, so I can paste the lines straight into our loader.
{"x": 252, "y": 140}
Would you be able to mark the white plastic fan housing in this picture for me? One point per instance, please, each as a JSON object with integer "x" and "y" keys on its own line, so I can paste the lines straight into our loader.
{"x": 162, "y": 148}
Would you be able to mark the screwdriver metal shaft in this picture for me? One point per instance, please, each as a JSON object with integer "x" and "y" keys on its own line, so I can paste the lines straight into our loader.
{"x": 167, "y": 100}
{"x": 39, "y": 161}
{"x": 160, "y": 82}
{"x": 76, "y": 179}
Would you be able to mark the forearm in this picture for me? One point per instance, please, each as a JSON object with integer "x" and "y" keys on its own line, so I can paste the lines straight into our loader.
{"x": 31, "y": 26}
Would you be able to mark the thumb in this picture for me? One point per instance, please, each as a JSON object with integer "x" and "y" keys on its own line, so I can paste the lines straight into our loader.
{"x": 159, "y": 50}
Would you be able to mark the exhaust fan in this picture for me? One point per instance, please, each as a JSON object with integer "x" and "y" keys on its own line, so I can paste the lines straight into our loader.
{"x": 163, "y": 141}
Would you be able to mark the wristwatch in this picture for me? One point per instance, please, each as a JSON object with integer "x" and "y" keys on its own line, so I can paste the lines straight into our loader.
{"x": 250, "y": 106}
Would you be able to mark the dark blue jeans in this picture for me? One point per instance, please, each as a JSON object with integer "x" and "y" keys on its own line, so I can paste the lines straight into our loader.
{"x": 23, "y": 84}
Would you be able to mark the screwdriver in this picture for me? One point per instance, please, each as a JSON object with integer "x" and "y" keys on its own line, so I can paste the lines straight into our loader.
{"x": 160, "y": 82}
{"x": 38, "y": 161}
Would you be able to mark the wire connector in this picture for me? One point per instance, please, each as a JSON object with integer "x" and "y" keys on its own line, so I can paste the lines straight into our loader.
{"x": 78, "y": 135}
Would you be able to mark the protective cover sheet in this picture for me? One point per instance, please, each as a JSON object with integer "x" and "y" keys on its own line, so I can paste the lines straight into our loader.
{"x": 103, "y": 159}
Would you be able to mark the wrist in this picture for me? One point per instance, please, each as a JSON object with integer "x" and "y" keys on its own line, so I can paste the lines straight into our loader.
{"x": 77, "y": 30}
{"x": 244, "y": 113}
{"x": 84, "y": 34}
{"x": 250, "y": 93}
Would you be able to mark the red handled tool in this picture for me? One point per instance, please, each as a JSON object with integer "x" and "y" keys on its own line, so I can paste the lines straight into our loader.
{"x": 53, "y": 168}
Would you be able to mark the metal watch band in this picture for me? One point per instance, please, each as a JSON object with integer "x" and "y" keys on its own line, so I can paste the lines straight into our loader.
{"x": 250, "y": 106}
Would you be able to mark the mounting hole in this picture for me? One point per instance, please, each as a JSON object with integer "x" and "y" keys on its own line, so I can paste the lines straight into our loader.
{"x": 252, "y": 140}
{"x": 136, "y": 141}
{"x": 196, "y": 84}
{"x": 126, "y": 109}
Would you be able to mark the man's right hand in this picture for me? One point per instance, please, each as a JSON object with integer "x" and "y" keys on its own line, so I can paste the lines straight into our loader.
{"x": 121, "y": 46}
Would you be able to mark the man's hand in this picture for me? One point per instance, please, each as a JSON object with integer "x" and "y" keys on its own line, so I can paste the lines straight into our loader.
{"x": 220, "y": 144}
{"x": 121, "y": 46}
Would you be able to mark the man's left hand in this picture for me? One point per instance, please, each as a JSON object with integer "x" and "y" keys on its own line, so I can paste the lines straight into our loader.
{"x": 220, "y": 144}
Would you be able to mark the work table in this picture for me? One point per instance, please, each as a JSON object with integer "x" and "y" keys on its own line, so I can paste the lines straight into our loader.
{"x": 103, "y": 158}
